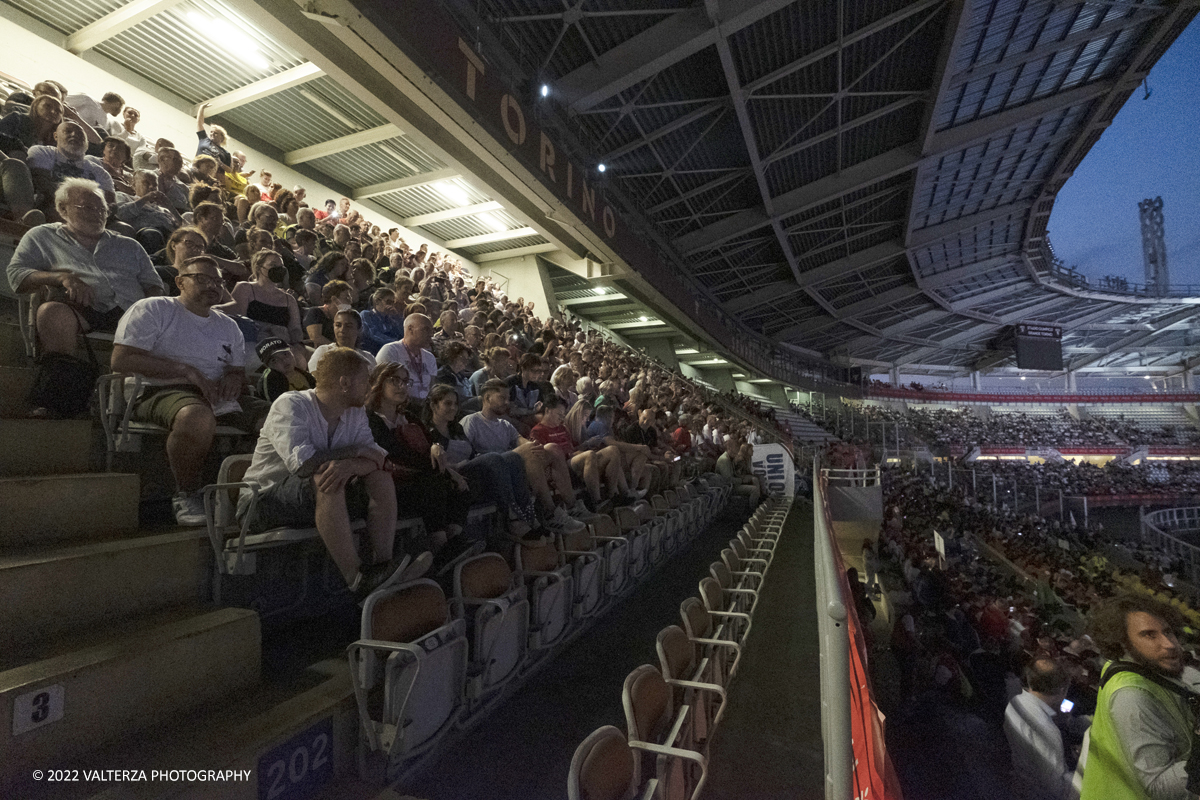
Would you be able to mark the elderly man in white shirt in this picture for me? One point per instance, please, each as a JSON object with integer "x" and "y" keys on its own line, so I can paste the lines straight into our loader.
{"x": 1040, "y": 770}
{"x": 317, "y": 460}
{"x": 413, "y": 352}
{"x": 93, "y": 274}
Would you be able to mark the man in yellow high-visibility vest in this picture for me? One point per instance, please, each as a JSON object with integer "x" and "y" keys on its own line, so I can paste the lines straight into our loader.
{"x": 1141, "y": 737}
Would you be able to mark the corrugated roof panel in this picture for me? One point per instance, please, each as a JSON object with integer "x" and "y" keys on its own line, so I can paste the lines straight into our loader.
{"x": 168, "y": 50}
{"x": 375, "y": 163}
{"x": 67, "y": 16}
{"x": 497, "y": 247}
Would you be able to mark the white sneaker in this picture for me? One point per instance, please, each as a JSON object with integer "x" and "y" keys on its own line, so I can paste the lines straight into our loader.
{"x": 189, "y": 509}
{"x": 564, "y": 521}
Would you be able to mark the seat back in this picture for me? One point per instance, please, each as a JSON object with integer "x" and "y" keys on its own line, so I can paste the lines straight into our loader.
{"x": 233, "y": 470}
{"x": 671, "y": 497}
{"x": 721, "y": 574}
{"x": 627, "y": 518}
{"x": 644, "y": 510}
{"x": 498, "y": 627}
{"x": 405, "y": 615}
{"x": 732, "y": 562}
{"x": 537, "y": 557}
{"x": 485, "y": 576}
{"x": 550, "y": 598}
{"x": 676, "y": 653}
{"x": 696, "y": 620}
{"x": 710, "y": 593}
{"x": 739, "y": 548}
{"x": 605, "y": 526}
{"x": 603, "y": 767}
{"x": 580, "y": 541}
{"x": 648, "y": 704}
{"x": 659, "y": 503}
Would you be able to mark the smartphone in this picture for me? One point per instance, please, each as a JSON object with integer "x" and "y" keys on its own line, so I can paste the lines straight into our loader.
{"x": 1065, "y": 706}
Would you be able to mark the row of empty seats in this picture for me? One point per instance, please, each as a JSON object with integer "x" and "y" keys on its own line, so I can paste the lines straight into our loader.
{"x": 427, "y": 664}
{"x": 672, "y": 710}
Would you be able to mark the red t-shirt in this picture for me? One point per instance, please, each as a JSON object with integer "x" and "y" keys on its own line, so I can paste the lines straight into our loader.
{"x": 559, "y": 436}
{"x": 682, "y": 440}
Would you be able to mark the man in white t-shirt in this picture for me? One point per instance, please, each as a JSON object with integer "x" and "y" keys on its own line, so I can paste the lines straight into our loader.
{"x": 98, "y": 115}
{"x": 192, "y": 358}
{"x": 50, "y": 166}
{"x": 347, "y": 325}
{"x": 413, "y": 352}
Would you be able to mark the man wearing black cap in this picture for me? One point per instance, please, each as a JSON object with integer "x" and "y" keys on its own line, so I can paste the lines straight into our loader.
{"x": 281, "y": 373}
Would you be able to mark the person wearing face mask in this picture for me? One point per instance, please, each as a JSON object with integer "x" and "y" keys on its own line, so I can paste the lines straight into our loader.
{"x": 50, "y": 166}
{"x": 347, "y": 325}
{"x": 275, "y": 312}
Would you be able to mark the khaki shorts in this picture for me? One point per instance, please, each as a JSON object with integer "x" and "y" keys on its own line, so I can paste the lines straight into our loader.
{"x": 161, "y": 404}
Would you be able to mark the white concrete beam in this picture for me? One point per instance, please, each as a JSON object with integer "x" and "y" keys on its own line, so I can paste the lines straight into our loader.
{"x": 420, "y": 179}
{"x": 516, "y": 252}
{"x": 295, "y": 76}
{"x": 488, "y": 238}
{"x": 115, "y": 22}
{"x": 450, "y": 213}
{"x": 342, "y": 144}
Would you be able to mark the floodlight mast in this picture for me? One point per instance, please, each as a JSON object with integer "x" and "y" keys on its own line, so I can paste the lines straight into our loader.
{"x": 1154, "y": 246}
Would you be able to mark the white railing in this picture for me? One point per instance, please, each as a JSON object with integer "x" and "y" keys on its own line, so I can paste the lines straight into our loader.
{"x": 1159, "y": 527}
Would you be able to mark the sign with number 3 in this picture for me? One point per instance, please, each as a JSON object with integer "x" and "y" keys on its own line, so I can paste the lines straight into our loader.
{"x": 37, "y": 708}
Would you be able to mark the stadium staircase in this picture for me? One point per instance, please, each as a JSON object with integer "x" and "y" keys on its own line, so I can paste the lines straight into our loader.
{"x": 112, "y": 656}
{"x": 804, "y": 431}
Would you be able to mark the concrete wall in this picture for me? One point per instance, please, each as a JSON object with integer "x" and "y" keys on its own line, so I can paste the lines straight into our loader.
{"x": 32, "y": 58}
{"x": 524, "y": 277}
{"x": 660, "y": 348}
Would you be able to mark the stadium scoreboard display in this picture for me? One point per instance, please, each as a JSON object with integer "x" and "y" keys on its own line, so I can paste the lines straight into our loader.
{"x": 1039, "y": 346}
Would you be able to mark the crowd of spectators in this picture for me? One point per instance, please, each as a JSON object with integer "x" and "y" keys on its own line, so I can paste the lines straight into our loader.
{"x": 1005, "y": 603}
{"x": 379, "y": 379}
{"x": 1112, "y": 478}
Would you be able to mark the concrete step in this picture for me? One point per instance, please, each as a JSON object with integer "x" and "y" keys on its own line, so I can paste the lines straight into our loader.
{"x": 107, "y": 686}
{"x": 15, "y": 383}
{"x": 51, "y": 593}
{"x": 12, "y": 346}
{"x": 44, "y": 447}
{"x": 251, "y": 730}
{"x": 51, "y": 508}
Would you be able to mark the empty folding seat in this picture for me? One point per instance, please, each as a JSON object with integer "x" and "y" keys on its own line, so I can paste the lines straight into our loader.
{"x": 641, "y": 554}
{"x": 412, "y": 648}
{"x": 550, "y": 583}
{"x": 750, "y": 562}
{"x": 741, "y": 597}
{"x": 674, "y": 527}
{"x": 714, "y": 602}
{"x": 494, "y": 604}
{"x": 740, "y": 575}
{"x": 709, "y": 634}
{"x": 655, "y": 727}
{"x": 623, "y": 557}
{"x": 604, "y": 767}
{"x": 757, "y": 549}
{"x": 655, "y": 524}
{"x": 579, "y": 551}
{"x": 689, "y": 677}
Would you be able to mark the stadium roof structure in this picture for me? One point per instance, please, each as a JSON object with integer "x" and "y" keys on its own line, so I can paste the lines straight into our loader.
{"x": 867, "y": 180}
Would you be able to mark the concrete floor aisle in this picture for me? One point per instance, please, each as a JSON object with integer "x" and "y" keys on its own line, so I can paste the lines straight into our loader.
{"x": 769, "y": 743}
{"x": 523, "y": 750}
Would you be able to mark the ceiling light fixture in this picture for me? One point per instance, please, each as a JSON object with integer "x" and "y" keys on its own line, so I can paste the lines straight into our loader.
{"x": 454, "y": 194}
{"x": 601, "y": 168}
{"x": 492, "y": 222}
{"x": 545, "y": 90}
{"x": 330, "y": 110}
{"x": 600, "y": 290}
{"x": 229, "y": 39}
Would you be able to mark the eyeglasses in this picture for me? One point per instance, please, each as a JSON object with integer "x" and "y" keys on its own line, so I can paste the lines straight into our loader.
{"x": 396, "y": 380}
{"x": 202, "y": 279}
{"x": 97, "y": 210}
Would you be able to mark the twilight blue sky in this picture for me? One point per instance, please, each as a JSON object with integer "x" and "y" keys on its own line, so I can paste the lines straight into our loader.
{"x": 1152, "y": 148}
